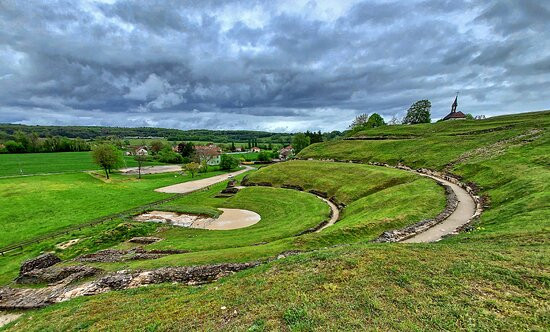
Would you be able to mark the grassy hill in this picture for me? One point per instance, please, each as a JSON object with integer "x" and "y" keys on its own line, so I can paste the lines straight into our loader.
{"x": 495, "y": 277}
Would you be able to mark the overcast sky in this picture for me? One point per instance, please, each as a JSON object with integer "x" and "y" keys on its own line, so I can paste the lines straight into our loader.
{"x": 267, "y": 65}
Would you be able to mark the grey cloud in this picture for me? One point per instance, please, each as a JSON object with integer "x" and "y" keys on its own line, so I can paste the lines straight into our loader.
{"x": 259, "y": 65}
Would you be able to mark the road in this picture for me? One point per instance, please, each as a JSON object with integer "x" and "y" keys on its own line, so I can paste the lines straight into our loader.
{"x": 190, "y": 186}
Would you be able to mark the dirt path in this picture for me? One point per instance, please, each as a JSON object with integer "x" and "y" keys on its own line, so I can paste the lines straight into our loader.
{"x": 334, "y": 217}
{"x": 6, "y": 318}
{"x": 151, "y": 169}
{"x": 464, "y": 211}
{"x": 190, "y": 186}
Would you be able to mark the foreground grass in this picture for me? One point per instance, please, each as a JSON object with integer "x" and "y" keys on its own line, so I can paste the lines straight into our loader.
{"x": 374, "y": 287}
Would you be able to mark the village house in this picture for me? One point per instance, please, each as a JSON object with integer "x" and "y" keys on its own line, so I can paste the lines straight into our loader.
{"x": 238, "y": 149}
{"x": 454, "y": 115}
{"x": 286, "y": 153}
{"x": 255, "y": 149}
{"x": 209, "y": 153}
{"x": 141, "y": 151}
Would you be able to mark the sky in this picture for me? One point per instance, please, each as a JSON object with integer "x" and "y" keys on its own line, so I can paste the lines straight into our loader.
{"x": 281, "y": 66}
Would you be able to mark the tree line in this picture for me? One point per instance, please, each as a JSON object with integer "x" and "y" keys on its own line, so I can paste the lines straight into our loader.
{"x": 21, "y": 142}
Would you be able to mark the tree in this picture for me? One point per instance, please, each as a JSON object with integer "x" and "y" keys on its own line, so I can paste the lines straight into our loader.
{"x": 359, "y": 121}
{"x": 205, "y": 154}
{"x": 186, "y": 149}
{"x": 419, "y": 112}
{"x": 375, "y": 120}
{"x": 299, "y": 142}
{"x": 14, "y": 147}
{"x": 233, "y": 148}
{"x": 264, "y": 156}
{"x": 394, "y": 121}
{"x": 166, "y": 155}
{"x": 192, "y": 168}
{"x": 107, "y": 157}
{"x": 228, "y": 162}
{"x": 140, "y": 158}
{"x": 469, "y": 116}
{"x": 156, "y": 146}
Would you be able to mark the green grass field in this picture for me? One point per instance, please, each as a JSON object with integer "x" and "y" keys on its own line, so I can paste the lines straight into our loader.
{"x": 55, "y": 162}
{"x": 495, "y": 277}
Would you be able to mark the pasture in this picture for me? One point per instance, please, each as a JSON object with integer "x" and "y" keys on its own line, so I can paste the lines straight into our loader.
{"x": 55, "y": 162}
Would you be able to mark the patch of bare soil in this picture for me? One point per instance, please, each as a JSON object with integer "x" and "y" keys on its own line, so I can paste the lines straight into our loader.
{"x": 151, "y": 169}
{"x": 66, "y": 244}
{"x": 172, "y": 218}
{"x": 229, "y": 219}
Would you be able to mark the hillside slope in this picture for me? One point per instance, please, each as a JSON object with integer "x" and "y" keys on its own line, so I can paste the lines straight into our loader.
{"x": 495, "y": 277}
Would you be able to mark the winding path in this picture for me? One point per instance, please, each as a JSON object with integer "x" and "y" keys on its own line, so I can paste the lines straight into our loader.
{"x": 463, "y": 213}
{"x": 335, "y": 215}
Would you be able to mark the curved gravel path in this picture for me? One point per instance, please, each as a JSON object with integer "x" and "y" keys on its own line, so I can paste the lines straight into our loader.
{"x": 334, "y": 216}
{"x": 465, "y": 210}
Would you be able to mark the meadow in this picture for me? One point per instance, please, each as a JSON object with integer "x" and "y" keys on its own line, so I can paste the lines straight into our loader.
{"x": 55, "y": 162}
{"x": 496, "y": 276}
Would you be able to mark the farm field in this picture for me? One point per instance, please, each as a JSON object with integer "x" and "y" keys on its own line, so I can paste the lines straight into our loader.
{"x": 492, "y": 277}
{"x": 55, "y": 162}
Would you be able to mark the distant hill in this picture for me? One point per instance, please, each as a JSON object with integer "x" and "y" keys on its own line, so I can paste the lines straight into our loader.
{"x": 90, "y": 132}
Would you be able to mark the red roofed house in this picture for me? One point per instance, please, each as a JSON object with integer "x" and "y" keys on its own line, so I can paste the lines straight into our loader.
{"x": 454, "y": 115}
{"x": 286, "y": 153}
{"x": 211, "y": 154}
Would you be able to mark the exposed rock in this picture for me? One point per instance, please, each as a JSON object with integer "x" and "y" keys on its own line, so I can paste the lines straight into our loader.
{"x": 144, "y": 239}
{"x": 313, "y": 229}
{"x": 55, "y": 274}
{"x": 19, "y": 298}
{"x": 230, "y": 190}
{"x": 288, "y": 253}
{"x": 40, "y": 262}
{"x": 319, "y": 193}
{"x": 292, "y": 186}
{"x": 115, "y": 255}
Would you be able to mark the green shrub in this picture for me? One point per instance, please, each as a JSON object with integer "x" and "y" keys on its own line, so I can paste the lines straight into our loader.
{"x": 228, "y": 162}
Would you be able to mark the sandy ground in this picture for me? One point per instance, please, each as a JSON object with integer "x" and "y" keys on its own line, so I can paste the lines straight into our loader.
{"x": 67, "y": 244}
{"x": 151, "y": 169}
{"x": 464, "y": 211}
{"x": 229, "y": 219}
{"x": 190, "y": 186}
{"x": 6, "y": 318}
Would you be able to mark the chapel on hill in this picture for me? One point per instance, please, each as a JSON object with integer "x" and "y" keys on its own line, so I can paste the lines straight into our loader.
{"x": 454, "y": 115}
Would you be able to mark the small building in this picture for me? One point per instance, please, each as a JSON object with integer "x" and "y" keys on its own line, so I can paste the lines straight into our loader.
{"x": 255, "y": 149}
{"x": 455, "y": 115}
{"x": 209, "y": 153}
{"x": 286, "y": 152}
{"x": 238, "y": 149}
{"x": 141, "y": 151}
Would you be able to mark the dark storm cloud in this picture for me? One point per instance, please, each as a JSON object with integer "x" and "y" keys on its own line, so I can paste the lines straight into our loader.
{"x": 267, "y": 65}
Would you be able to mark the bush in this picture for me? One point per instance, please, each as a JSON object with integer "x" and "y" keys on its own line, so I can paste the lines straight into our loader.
{"x": 228, "y": 162}
{"x": 264, "y": 156}
{"x": 14, "y": 147}
{"x": 169, "y": 156}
